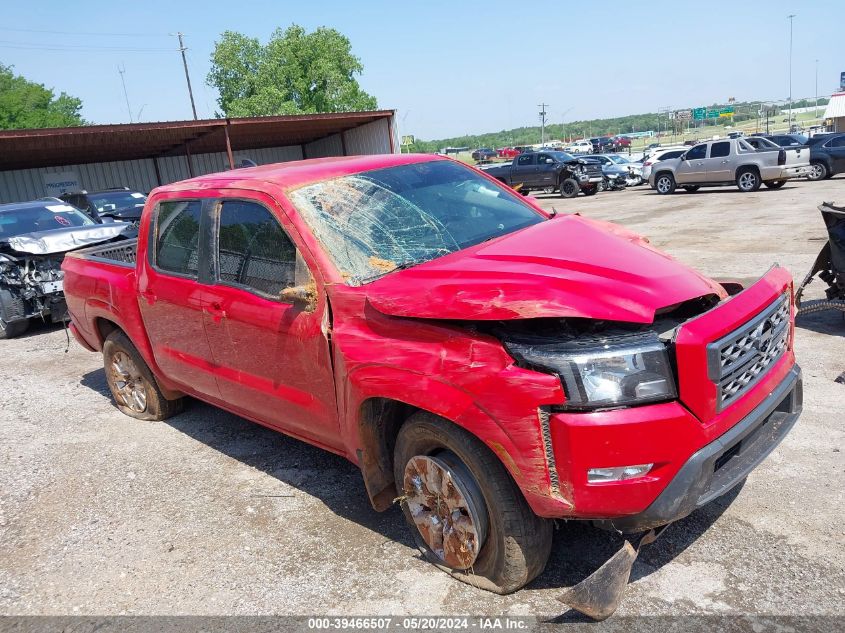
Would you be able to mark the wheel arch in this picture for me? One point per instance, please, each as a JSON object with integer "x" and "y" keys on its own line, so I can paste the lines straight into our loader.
{"x": 747, "y": 167}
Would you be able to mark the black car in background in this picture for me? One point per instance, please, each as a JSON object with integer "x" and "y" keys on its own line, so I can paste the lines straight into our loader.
{"x": 785, "y": 140}
{"x": 484, "y": 153}
{"x": 601, "y": 144}
{"x": 827, "y": 155}
{"x": 120, "y": 203}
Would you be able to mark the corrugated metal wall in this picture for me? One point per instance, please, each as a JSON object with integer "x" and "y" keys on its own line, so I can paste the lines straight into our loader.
{"x": 372, "y": 138}
{"x": 28, "y": 184}
{"x": 329, "y": 146}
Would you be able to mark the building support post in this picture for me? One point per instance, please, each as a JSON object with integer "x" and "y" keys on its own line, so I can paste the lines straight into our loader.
{"x": 157, "y": 171}
{"x": 390, "y": 134}
{"x": 229, "y": 146}
{"x": 343, "y": 143}
{"x": 188, "y": 160}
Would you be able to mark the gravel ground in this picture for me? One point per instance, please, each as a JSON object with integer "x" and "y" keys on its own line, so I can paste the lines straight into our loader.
{"x": 210, "y": 514}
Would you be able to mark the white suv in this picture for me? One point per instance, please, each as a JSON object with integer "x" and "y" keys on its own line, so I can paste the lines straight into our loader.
{"x": 580, "y": 147}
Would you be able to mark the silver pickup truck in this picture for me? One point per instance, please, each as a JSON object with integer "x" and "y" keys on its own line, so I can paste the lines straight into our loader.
{"x": 731, "y": 161}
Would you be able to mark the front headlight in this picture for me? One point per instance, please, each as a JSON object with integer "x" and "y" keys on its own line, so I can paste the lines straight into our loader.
{"x": 605, "y": 374}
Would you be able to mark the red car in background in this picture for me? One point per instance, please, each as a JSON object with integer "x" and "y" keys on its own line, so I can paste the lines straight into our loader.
{"x": 508, "y": 152}
{"x": 620, "y": 142}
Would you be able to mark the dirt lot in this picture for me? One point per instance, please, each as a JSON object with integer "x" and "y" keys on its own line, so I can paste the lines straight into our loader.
{"x": 209, "y": 514}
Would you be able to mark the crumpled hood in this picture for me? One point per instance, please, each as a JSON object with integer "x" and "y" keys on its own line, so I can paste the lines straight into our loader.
{"x": 566, "y": 267}
{"x": 65, "y": 239}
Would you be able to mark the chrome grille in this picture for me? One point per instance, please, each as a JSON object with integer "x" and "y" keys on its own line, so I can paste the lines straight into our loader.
{"x": 736, "y": 362}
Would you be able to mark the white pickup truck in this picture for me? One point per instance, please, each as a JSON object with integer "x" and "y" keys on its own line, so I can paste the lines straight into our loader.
{"x": 731, "y": 161}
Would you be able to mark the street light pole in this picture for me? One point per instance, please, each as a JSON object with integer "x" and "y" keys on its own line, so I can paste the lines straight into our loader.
{"x": 816, "y": 112}
{"x": 790, "y": 16}
{"x": 542, "y": 107}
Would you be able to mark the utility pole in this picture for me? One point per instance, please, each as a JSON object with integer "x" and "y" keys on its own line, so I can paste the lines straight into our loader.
{"x": 816, "y": 112}
{"x": 182, "y": 49}
{"x": 125, "y": 94}
{"x": 790, "y": 16}
{"x": 542, "y": 107}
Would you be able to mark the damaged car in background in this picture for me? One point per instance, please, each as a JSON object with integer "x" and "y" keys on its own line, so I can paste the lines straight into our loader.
{"x": 34, "y": 238}
{"x": 488, "y": 365}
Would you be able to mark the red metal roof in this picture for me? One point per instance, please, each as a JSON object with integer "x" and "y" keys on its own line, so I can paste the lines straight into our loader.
{"x": 21, "y": 149}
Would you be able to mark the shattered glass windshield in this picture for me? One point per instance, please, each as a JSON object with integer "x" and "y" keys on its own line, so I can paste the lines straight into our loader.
{"x": 375, "y": 222}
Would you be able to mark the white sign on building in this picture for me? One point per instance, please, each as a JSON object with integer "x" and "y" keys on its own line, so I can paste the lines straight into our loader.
{"x": 58, "y": 183}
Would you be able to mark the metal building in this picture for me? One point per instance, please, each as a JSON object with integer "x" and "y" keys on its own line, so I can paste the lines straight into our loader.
{"x": 47, "y": 162}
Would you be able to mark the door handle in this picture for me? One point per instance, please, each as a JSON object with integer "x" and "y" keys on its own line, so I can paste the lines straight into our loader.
{"x": 725, "y": 162}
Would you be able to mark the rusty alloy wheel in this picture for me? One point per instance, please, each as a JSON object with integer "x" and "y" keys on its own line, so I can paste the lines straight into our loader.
{"x": 128, "y": 382}
{"x": 447, "y": 507}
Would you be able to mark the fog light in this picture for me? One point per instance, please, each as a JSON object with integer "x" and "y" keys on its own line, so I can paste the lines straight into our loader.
{"x": 620, "y": 473}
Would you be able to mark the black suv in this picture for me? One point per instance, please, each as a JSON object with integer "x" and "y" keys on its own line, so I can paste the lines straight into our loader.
{"x": 785, "y": 140}
{"x": 120, "y": 203}
{"x": 827, "y": 155}
{"x": 484, "y": 153}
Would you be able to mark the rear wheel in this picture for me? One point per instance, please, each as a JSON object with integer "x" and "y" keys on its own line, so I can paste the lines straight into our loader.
{"x": 665, "y": 184}
{"x": 775, "y": 184}
{"x": 13, "y": 329}
{"x": 131, "y": 382}
{"x": 466, "y": 514}
{"x": 569, "y": 188}
{"x": 748, "y": 180}
{"x": 691, "y": 188}
{"x": 818, "y": 170}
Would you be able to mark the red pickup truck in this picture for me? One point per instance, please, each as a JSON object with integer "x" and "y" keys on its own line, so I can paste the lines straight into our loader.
{"x": 492, "y": 365}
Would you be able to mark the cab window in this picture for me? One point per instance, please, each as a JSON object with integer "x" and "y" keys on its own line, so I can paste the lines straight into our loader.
{"x": 699, "y": 151}
{"x": 524, "y": 159}
{"x": 177, "y": 237}
{"x": 718, "y": 150}
{"x": 253, "y": 251}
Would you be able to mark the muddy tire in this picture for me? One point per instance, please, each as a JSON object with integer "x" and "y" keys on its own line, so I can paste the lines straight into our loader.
{"x": 13, "y": 329}
{"x": 569, "y": 188}
{"x": 664, "y": 184}
{"x": 500, "y": 544}
{"x": 131, "y": 382}
{"x": 748, "y": 180}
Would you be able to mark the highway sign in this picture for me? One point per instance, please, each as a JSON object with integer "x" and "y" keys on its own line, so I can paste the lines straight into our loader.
{"x": 683, "y": 115}
{"x": 698, "y": 113}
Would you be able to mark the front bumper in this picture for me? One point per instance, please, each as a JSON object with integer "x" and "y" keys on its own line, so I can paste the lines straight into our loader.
{"x": 719, "y": 466}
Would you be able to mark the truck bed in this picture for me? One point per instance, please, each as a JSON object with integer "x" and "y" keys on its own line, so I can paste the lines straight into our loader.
{"x": 121, "y": 254}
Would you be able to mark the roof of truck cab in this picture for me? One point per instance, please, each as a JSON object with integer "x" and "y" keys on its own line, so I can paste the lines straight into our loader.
{"x": 292, "y": 174}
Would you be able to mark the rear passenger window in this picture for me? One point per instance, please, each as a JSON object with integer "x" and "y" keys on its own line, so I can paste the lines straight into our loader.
{"x": 253, "y": 250}
{"x": 177, "y": 237}
{"x": 837, "y": 142}
{"x": 718, "y": 150}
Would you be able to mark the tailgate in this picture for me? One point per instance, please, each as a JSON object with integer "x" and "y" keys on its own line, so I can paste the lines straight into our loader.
{"x": 797, "y": 156}
{"x": 732, "y": 356}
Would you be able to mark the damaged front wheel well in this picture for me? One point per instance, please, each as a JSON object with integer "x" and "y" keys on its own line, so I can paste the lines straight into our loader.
{"x": 379, "y": 421}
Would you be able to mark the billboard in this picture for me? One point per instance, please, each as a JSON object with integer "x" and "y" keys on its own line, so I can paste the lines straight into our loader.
{"x": 842, "y": 81}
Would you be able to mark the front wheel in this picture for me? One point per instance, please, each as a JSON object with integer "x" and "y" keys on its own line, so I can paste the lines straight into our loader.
{"x": 131, "y": 382}
{"x": 775, "y": 184}
{"x": 665, "y": 184}
{"x": 818, "y": 171}
{"x": 569, "y": 188}
{"x": 465, "y": 512}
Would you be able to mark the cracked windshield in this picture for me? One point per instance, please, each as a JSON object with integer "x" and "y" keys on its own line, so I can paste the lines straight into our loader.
{"x": 375, "y": 222}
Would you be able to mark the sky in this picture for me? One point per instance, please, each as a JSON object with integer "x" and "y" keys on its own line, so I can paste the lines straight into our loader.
{"x": 448, "y": 68}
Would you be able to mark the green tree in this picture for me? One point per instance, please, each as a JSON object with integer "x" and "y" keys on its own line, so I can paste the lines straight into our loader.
{"x": 26, "y": 104}
{"x": 294, "y": 73}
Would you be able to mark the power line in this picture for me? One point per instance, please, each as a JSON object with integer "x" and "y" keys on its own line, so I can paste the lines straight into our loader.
{"x": 82, "y": 33}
